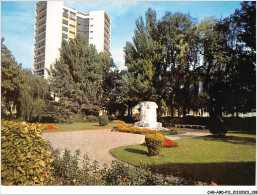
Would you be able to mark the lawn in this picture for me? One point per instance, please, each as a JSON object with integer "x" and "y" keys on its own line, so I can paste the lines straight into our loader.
{"x": 227, "y": 161}
{"x": 82, "y": 126}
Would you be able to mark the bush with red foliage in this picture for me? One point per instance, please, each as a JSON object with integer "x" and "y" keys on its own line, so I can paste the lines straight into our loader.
{"x": 169, "y": 143}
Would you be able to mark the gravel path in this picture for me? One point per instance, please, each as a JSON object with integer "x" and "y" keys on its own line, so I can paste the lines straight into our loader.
{"x": 96, "y": 142}
{"x": 189, "y": 133}
{"x": 99, "y": 142}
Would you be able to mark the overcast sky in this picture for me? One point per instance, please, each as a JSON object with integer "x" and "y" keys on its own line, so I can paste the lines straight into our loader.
{"x": 17, "y": 21}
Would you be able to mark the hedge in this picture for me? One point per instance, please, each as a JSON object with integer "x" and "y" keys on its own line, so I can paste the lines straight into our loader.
{"x": 24, "y": 155}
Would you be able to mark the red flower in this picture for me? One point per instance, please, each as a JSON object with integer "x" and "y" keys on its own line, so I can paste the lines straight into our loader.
{"x": 51, "y": 127}
{"x": 43, "y": 176}
{"x": 169, "y": 143}
{"x": 213, "y": 184}
{"x": 124, "y": 179}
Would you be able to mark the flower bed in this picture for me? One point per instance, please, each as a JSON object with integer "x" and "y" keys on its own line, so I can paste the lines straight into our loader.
{"x": 169, "y": 143}
{"x": 118, "y": 121}
{"x": 134, "y": 130}
{"x": 49, "y": 127}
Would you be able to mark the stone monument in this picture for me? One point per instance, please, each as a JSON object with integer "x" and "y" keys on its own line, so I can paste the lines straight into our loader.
{"x": 148, "y": 116}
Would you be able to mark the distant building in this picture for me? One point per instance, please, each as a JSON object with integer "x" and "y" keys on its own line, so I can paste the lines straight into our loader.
{"x": 55, "y": 21}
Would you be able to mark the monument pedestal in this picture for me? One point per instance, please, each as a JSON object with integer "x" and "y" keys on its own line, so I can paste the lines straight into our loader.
{"x": 148, "y": 116}
{"x": 148, "y": 125}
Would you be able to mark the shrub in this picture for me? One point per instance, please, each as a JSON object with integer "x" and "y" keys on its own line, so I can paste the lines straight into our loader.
{"x": 112, "y": 117}
{"x": 217, "y": 126}
{"x": 118, "y": 173}
{"x": 65, "y": 167}
{"x": 103, "y": 120}
{"x": 154, "y": 143}
{"x": 92, "y": 119}
{"x": 78, "y": 118}
{"x": 25, "y": 159}
{"x": 239, "y": 123}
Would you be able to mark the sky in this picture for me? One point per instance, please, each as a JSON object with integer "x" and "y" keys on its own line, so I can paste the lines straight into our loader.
{"x": 17, "y": 21}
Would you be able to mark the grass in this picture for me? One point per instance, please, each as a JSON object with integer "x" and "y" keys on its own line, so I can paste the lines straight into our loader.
{"x": 228, "y": 160}
{"x": 81, "y": 126}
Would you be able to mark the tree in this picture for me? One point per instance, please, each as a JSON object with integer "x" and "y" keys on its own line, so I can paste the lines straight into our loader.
{"x": 179, "y": 39}
{"x": 11, "y": 80}
{"x": 118, "y": 101}
{"x": 243, "y": 71}
{"x": 79, "y": 75}
{"x": 32, "y": 98}
{"x": 245, "y": 19}
{"x": 21, "y": 89}
{"x": 160, "y": 60}
{"x": 143, "y": 59}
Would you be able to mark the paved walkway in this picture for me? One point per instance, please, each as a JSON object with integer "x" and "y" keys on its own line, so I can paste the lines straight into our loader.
{"x": 99, "y": 142}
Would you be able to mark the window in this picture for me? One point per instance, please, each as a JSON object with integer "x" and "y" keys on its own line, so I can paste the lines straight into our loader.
{"x": 72, "y": 16}
{"x": 65, "y": 28}
{"x": 91, "y": 31}
{"x": 64, "y": 36}
{"x": 65, "y": 22}
{"x": 65, "y": 15}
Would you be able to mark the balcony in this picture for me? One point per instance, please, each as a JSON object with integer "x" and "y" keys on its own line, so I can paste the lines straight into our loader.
{"x": 38, "y": 40}
{"x": 42, "y": 24}
{"x": 106, "y": 48}
{"x": 107, "y": 29}
{"x": 107, "y": 35}
{"x": 39, "y": 61}
{"x": 40, "y": 3}
{"x": 39, "y": 67}
{"x": 39, "y": 72}
{"x": 41, "y": 19}
{"x": 38, "y": 47}
{"x": 107, "y": 18}
{"x": 40, "y": 33}
{"x": 39, "y": 11}
{"x": 107, "y": 44}
{"x": 40, "y": 55}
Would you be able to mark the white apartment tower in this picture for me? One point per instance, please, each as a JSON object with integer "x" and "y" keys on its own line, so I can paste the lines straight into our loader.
{"x": 54, "y": 21}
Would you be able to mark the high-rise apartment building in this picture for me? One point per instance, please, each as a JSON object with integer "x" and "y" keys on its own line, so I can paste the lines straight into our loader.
{"x": 55, "y": 21}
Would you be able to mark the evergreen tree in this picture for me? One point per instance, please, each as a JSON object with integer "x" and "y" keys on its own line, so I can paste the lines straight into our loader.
{"x": 78, "y": 77}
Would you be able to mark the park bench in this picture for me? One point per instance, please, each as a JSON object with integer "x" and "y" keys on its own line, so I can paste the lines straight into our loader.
{"x": 190, "y": 126}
